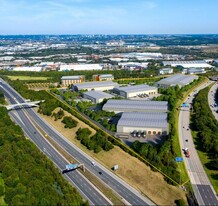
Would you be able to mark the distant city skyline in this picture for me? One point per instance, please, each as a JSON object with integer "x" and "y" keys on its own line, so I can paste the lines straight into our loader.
{"x": 108, "y": 17}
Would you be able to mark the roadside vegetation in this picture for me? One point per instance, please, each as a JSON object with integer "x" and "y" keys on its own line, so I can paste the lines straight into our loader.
{"x": 28, "y": 78}
{"x": 96, "y": 142}
{"x": 206, "y": 140}
{"x": 29, "y": 177}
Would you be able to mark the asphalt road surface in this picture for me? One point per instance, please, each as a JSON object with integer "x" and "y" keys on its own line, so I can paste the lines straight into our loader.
{"x": 129, "y": 194}
{"x": 203, "y": 190}
{"x": 87, "y": 190}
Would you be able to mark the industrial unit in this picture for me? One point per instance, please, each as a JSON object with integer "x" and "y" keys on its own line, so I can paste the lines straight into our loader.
{"x": 98, "y": 86}
{"x": 103, "y": 77}
{"x": 166, "y": 71}
{"x": 150, "y": 123}
{"x": 77, "y": 67}
{"x": 117, "y": 106}
{"x": 132, "y": 91}
{"x": 68, "y": 80}
{"x": 193, "y": 71}
{"x": 188, "y": 64}
{"x": 177, "y": 79}
{"x": 97, "y": 96}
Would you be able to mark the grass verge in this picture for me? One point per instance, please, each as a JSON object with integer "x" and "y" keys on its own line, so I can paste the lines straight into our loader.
{"x": 26, "y": 78}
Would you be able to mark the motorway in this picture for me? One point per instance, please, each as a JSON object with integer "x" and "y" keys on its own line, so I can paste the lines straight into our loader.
{"x": 87, "y": 190}
{"x": 203, "y": 190}
{"x": 129, "y": 194}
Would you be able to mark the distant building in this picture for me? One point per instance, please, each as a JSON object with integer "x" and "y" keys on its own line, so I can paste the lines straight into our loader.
{"x": 216, "y": 62}
{"x": 68, "y": 80}
{"x": 102, "y": 77}
{"x": 188, "y": 64}
{"x": 97, "y": 86}
{"x": 132, "y": 91}
{"x": 32, "y": 69}
{"x": 195, "y": 71}
{"x": 177, "y": 79}
{"x": 166, "y": 71}
{"x": 97, "y": 96}
{"x": 124, "y": 105}
{"x": 80, "y": 67}
{"x": 150, "y": 123}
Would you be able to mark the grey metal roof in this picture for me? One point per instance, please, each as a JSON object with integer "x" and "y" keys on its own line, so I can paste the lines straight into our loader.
{"x": 185, "y": 62}
{"x": 179, "y": 79}
{"x": 106, "y": 75}
{"x": 71, "y": 77}
{"x": 136, "y": 88}
{"x": 85, "y": 85}
{"x": 98, "y": 94}
{"x": 135, "y": 105}
{"x": 144, "y": 119}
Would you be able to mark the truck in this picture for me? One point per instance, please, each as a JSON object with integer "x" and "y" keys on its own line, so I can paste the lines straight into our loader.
{"x": 186, "y": 152}
{"x": 71, "y": 166}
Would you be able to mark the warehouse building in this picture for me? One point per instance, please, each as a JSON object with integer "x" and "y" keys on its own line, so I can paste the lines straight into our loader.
{"x": 177, "y": 79}
{"x": 196, "y": 71}
{"x": 188, "y": 64}
{"x": 103, "y": 77}
{"x": 30, "y": 69}
{"x": 68, "y": 80}
{"x": 97, "y": 96}
{"x": 79, "y": 67}
{"x": 132, "y": 91}
{"x": 97, "y": 86}
{"x": 150, "y": 123}
{"x": 166, "y": 71}
{"x": 124, "y": 105}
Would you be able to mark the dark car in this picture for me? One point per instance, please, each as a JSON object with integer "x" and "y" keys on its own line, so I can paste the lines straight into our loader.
{"x": 186, "y": 140}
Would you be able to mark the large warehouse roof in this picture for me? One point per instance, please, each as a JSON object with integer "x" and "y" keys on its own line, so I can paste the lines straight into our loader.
{"x": 77, "y": 67}
{"x": 178, "y": 79}
{"x": 85, "y": 85}
{"x": 142, "y": 119}
{"x": 187, "y": 64}
{"x": 71, "y": 77}
{"x": 136, "y": 88}
{"x": 98, "y": 94}
{"x": 135, "y": 105}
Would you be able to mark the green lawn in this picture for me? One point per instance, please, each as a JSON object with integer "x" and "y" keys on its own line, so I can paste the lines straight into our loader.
{"x": 27, "y": 78}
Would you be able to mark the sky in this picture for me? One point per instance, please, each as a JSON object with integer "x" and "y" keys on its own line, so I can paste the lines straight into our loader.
{"x": 108, "y": 17}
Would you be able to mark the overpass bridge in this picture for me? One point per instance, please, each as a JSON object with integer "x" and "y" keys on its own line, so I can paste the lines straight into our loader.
{"x": 26, "y": 104}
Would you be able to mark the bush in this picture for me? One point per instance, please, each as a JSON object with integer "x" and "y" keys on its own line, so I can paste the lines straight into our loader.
{"x": 69, "y": 122}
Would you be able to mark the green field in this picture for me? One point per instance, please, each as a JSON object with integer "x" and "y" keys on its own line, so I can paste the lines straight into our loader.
{"x": 27, "y": 78}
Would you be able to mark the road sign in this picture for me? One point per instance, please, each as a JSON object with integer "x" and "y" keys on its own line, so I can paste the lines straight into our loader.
{"x": 179, "y": 159}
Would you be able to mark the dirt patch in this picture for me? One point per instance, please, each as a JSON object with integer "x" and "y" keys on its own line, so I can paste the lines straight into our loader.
{"x": 133, "y": 171}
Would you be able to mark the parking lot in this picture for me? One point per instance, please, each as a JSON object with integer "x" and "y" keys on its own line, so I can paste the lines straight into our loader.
{"x": 128, "y": 139}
